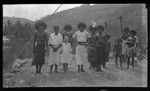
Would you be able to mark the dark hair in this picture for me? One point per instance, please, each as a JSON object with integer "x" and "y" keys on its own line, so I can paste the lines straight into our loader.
{"x": 56, "y": 27}
{"x": 100, "y": 27}
{"x": 133, "y": 32}
{"x": 40, "y": 23}
{"x": 92, "y": 29}
{"x": 67, "y": 28}
{"x": 81, "y": 25}
{"x": 126, "y": 30}
{"x": 107, "y": 36}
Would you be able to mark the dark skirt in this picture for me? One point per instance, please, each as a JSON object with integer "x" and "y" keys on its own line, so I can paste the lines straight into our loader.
{"x": 106, "y": 56}
{"x": 39, "y": 55}
{"x": 92, "y": 55}
{"x": 100, "y": 58}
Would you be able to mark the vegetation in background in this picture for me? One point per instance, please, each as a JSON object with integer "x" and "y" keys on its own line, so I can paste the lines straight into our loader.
{"x": 19, "y": 34}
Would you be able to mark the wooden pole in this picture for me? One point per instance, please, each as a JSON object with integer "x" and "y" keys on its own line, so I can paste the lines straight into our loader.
{"x": 121, "y": 24}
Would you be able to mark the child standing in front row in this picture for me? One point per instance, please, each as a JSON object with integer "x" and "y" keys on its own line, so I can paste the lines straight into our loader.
{"x": 66, "y": 53}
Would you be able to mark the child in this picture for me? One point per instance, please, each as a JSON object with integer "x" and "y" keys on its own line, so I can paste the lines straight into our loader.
{"x": 124, "y": 49}
{"x": 117, "y": 51}
{"x": 66, "y": 53}
{"x": 107, "y": 50}
{"x": 132, "y": 47}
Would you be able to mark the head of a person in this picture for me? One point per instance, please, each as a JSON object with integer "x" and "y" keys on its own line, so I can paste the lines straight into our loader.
{"x": 119, "y": 40}
{"x": 124, "y": 38}
{"x": 66, "y": 39}
{"x": 126, "y": 31}
{"x": 81, "y": 26}
{"x": 56, "y": 29}
{"x": 67, "y": 28}
{"x": 132, "y": 33}
{"x": 108, "y": 37}
{"x": 40, "y": 25}
{"x": 115, "y": 40}
{"x": 100, "y": 29}
{"x": 92, "y": 30}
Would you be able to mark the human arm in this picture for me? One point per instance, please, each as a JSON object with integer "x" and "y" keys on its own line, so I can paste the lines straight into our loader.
{"x": 34, "y": 42}
{"x": 70, "y": 49}
{"x": 49, "y": 42}
{"x": 74, "y": 36}
{"x": 59, "y": 42}
{"x": 46, "y": 41}
{"x": 137, "y": 41}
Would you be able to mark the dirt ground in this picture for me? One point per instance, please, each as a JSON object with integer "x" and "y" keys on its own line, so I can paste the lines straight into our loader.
{"x": 110, "y": 76}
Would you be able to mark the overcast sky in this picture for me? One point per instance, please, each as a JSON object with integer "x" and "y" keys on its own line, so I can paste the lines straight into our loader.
{"x": 34, "y": 11}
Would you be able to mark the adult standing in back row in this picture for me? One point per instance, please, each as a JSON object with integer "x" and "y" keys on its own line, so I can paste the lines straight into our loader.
{"x": 100, "y": 48}
{"x": 40, "y": 45}
{"x": 55, "y": 43}
{"x": 81, "y": 53}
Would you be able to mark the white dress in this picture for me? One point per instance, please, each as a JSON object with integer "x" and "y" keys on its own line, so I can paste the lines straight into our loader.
{"x": 81, "y": 51}
{"x": 66, "y": 53}
{"x": 54, "y": 57}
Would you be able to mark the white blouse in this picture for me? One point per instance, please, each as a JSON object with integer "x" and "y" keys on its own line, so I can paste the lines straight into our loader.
{"x": 55, "y": 39}
{"x": 81, "y": 36}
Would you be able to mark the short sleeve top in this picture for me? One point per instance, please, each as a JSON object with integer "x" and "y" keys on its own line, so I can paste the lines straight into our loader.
{"x": 81, "y": 36}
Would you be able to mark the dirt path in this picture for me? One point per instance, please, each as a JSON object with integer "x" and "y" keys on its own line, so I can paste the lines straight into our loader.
{"x": 111, "y": 76}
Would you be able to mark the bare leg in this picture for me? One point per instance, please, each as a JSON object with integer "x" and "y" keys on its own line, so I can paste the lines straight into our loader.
{"x": 64, "y": 67}
{"x": 56, "y": 67}
{"x": 99, "y": 68}
{"x": 132, "y": 61}
{"x": 128, "y": 62}
{"x": 36, "y": 69}
{"x": 120, "y": 57}
{"x": 116, "y": 61}
{"x": 78, "y": 68}
{"x": 67, "y": 66}
{"x": 51, "y": 68}
{"x": 40, "y": 66}
{"x": 82, "y": 68}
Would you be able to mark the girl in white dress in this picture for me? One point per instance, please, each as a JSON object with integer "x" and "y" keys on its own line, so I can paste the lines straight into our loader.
{"x": 81, "y": 51}
{"x": 66, "y": 53}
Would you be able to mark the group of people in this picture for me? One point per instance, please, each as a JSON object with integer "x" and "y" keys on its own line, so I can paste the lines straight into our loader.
{"x": 92, "y": 47}
{"x": 126, "y": 48}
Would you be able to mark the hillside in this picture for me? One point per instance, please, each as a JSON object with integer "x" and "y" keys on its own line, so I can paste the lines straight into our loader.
{"x": 15, "y": 19}
{"x": 132, "y": 17}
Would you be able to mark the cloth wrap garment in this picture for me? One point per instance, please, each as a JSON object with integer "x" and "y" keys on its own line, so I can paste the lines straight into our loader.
{"x": 100, "y": 50}
{"x": 132, "y": 47}
{"x": 92, "y": 50}
{"x": 39, "y": 48}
